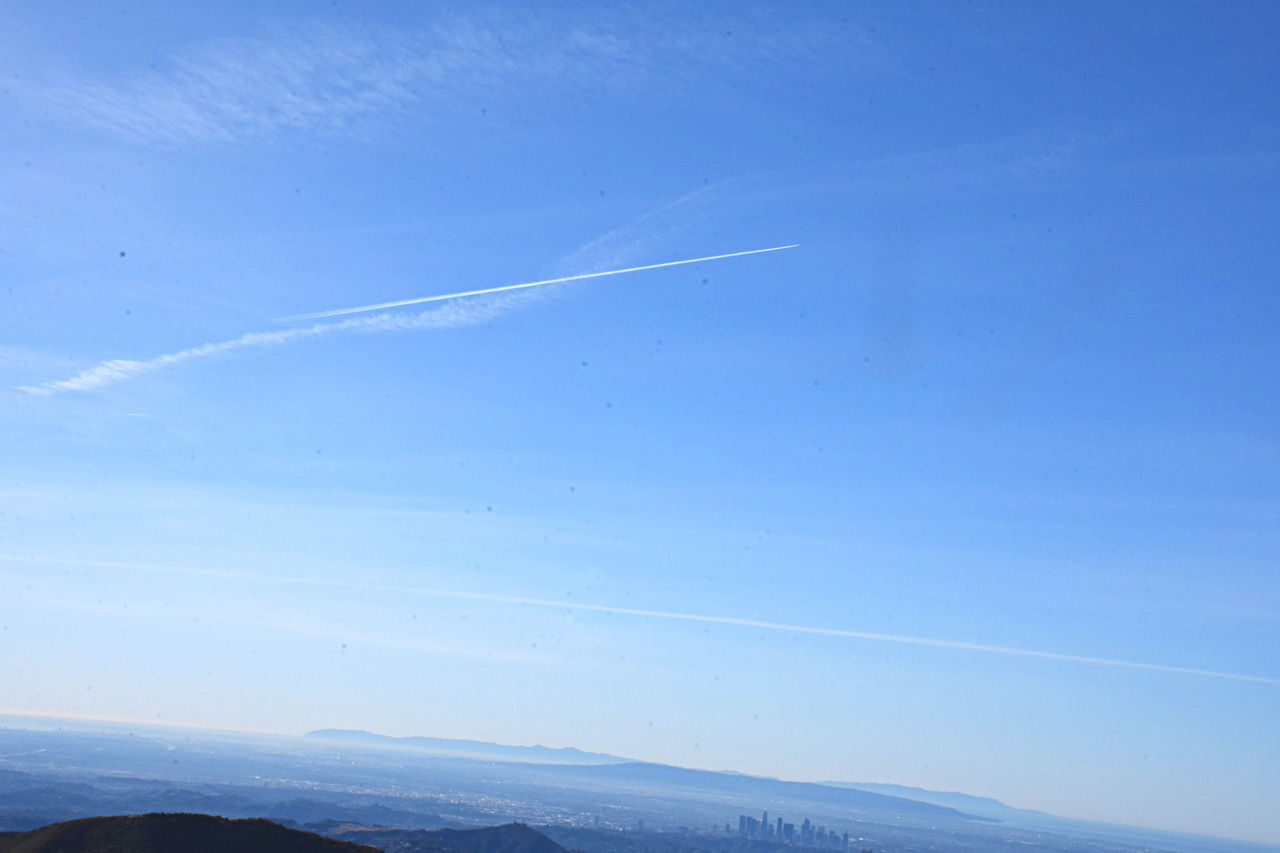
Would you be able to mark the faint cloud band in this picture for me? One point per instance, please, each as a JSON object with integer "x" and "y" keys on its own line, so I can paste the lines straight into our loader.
{"x": 677, "y": 616}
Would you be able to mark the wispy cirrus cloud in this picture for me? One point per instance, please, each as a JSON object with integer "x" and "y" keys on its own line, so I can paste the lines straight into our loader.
{"x": 313, "y": 78}
{"x": 650, "y": 228}
{"x": 322, "y": 77}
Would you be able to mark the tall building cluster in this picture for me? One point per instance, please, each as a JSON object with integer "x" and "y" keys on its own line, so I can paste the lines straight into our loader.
{"x": 779, "y": 830}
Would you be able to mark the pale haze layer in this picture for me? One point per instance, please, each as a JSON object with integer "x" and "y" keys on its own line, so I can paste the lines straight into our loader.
{"x": 974, "y": 489}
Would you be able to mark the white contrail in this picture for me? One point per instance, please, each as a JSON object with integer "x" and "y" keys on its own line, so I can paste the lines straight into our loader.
{"x": 449, "y": 316}
{"x": 380, "y": 306}
{"x": 673, "y": 615}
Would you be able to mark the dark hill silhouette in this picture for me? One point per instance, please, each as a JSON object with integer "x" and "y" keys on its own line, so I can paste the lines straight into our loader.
{"x": 172, "y": 833}
{"x": 508, "y": 838}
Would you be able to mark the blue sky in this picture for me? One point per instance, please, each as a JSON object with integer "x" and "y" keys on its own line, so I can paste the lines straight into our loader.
{"x": 1012, "y": 395}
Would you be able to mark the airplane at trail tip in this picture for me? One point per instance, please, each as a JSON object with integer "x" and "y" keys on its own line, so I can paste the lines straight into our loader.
{"x": 317, "y": 315}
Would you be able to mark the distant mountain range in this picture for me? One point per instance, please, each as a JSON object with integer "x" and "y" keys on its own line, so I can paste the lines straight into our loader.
{"x": 169, "y": 833}
{"x": 473, "y": 749}
{"x": 862, "y": 800}
{"x": 968, "y": 803}
{"x": 598, "y": 768}
{"x": 1039, "y": 821}
{"x": 729, "y": 787}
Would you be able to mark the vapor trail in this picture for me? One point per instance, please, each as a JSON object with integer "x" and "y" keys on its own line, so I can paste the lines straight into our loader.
{"x": 447, "y": 316}
{"x": 672, "y": 615}
{"x": 337, "y": 312}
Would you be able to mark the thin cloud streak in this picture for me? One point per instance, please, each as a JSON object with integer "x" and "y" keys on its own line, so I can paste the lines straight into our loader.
{"x": 677, "y": 616}
{"x": 380, "y": 306}
{"x": 119, "y": 370}
{"x": 900, "y": 639}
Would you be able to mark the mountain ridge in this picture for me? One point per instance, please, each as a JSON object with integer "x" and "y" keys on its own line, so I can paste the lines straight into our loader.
{"x": 462, "y": 747}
